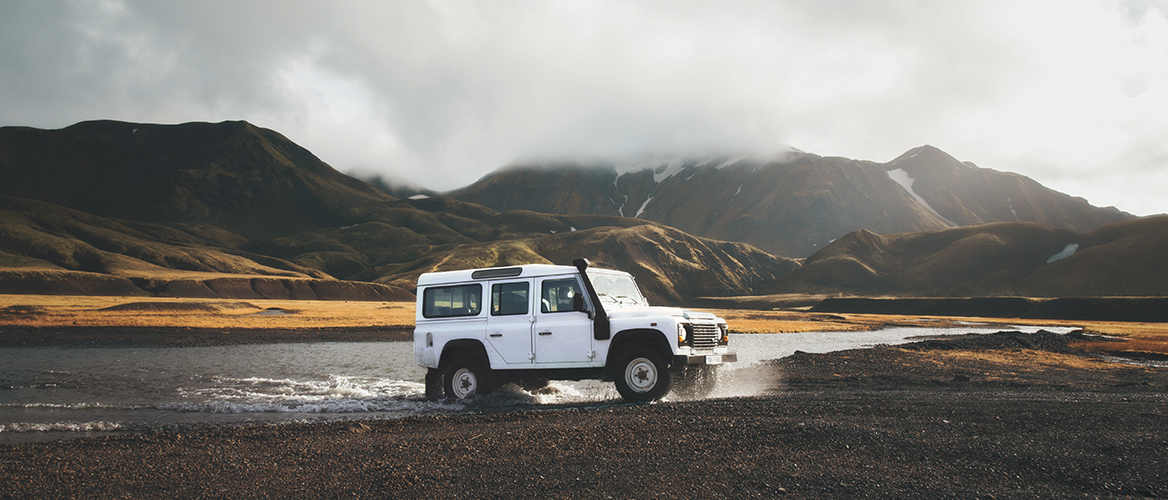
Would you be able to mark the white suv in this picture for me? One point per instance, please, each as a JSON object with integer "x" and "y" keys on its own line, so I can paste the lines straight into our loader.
{"x": 478, "y": 329}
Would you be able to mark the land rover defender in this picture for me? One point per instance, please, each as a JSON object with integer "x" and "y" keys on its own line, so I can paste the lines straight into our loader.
{"x": 478, "y": 329}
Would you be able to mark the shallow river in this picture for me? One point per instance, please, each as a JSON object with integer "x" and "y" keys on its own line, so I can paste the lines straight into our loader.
{"x": 62, "y": 392}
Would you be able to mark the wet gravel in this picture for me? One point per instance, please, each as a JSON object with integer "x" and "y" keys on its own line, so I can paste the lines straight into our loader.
{"x": 879, "y": 423}
{"x": 150, "y": 336}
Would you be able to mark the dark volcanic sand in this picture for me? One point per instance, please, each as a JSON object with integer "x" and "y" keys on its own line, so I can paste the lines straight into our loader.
{"x": 120, "y": 336}
{"x": 878, "y": 423}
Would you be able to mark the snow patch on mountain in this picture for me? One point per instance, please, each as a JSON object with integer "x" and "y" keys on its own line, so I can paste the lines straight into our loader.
{"x": 901, "y": 177}
{"x": 662, "y": 169}
{"x": 1067, "y": 251}
{"x": 729, "y": 162}
{"x": 642, "y": 209}
{"x": 668, "y": 167}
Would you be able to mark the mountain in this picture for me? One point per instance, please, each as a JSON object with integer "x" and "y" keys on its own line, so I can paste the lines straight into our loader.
{"x": 234, "y": 210}
{"x": 1000, "y": 259}
{"x": 791, "y": 204}
{"x": 232, "y": 175}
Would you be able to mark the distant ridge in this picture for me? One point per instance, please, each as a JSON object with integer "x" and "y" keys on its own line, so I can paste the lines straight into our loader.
{"x": 792, "y": 204}
{"x": 1003, "y": 259}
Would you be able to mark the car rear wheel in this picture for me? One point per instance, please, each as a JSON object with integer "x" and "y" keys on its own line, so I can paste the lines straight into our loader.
{"x": 465, "y": 379}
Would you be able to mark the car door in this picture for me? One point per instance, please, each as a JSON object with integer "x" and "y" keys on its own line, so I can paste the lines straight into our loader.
{"x": 509, "y": 320}
{"x": 563, "y": 336}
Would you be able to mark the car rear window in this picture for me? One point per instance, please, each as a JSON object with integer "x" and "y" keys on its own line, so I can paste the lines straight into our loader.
{"x": 452, "y": 301}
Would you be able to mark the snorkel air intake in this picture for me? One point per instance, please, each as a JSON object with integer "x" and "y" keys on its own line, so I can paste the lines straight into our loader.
{"x": 600, "y": 326}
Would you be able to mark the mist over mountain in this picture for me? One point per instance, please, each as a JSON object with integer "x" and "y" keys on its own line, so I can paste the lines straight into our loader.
{"x": 791, "y": 204}
{"x": 396, "y": 188}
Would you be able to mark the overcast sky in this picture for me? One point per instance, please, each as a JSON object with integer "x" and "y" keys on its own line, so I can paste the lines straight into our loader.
{"x": 1073, "y": 93}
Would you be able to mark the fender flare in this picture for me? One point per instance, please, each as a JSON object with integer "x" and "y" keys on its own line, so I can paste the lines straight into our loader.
{"x": 625, "y": 340}
{"x": 474, "y": 348}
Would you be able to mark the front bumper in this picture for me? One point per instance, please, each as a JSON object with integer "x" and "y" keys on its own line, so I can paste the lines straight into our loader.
{"x": 704, "y": 359}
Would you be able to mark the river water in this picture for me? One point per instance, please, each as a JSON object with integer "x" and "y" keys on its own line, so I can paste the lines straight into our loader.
{"x": 49, "y": 393}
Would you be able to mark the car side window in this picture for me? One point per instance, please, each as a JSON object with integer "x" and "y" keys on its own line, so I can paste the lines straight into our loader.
{"x": 557, "y": 295}
{"x": 451, "y": 301}
{"x": 509, "y": 298}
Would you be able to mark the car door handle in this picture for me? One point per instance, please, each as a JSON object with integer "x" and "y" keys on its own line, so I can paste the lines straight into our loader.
{"x": 496, "y": 334}
{"x": 545, "y": 333}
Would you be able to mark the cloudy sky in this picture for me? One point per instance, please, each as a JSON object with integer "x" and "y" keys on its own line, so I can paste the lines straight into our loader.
{"x": 1073, "y": 93}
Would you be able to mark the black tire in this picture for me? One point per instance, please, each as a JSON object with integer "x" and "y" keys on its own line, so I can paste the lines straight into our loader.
{"x": 642, "y": 376}
{"x": 465, "y": 378}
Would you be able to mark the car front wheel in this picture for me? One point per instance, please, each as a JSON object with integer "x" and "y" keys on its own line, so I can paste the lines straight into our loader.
{"x": 642, "y": 376}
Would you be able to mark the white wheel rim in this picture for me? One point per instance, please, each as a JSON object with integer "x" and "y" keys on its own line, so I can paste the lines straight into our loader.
{"x": 464, "y": 383}
{"x": 641, "y": 375}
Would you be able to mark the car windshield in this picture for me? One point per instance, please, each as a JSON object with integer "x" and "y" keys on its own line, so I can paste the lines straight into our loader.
{"x": 616, "y": 289}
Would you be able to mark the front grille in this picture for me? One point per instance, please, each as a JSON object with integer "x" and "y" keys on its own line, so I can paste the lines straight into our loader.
{"x": 704, "y": 335}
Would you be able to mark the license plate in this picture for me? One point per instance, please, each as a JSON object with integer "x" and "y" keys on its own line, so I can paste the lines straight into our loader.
{"x": 715, "y": 359}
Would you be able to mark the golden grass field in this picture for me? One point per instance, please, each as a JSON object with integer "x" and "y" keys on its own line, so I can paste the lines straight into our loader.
{"x": 168, "y": 312}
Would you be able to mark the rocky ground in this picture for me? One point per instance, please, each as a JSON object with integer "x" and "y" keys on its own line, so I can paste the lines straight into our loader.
{"x": 122, "y": 336}
{"x": 1003, "y": 416}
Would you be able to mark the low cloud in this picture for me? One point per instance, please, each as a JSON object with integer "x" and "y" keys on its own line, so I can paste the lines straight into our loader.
{"x": 440, "y": 93}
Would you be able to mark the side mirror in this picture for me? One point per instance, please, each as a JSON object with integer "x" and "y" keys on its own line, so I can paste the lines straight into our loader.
{"x": 578, "y": 303}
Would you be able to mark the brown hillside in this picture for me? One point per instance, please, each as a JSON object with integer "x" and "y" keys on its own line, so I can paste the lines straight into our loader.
{"x": 1003, "y": 259}
{"x": 40, "y": 235}
{"x": 47, "y": 249}
{"x": 408, "y": 230}
{"x": 671, "y": 267}
{"x": 233, "y": 175}
{"x": 968, "y": 195}
{"x": 1124, "y": 259}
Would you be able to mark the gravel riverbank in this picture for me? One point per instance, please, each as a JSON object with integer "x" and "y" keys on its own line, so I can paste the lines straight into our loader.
{"x": 1013, "y": 418}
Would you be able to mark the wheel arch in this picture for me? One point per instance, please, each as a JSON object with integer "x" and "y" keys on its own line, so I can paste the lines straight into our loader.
{"x": 626, "y": 340}
{"x": 464, "y": 347}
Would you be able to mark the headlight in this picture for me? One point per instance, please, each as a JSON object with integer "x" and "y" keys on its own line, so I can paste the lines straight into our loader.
{"x": 681, "y": 333}
{"x": 725, "y": 330}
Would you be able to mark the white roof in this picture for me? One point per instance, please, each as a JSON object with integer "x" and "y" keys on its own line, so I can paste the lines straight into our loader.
{"x": 525, "y": 271}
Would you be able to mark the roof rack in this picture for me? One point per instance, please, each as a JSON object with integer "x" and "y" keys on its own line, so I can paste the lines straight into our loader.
{"x": 503, "y": 272}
